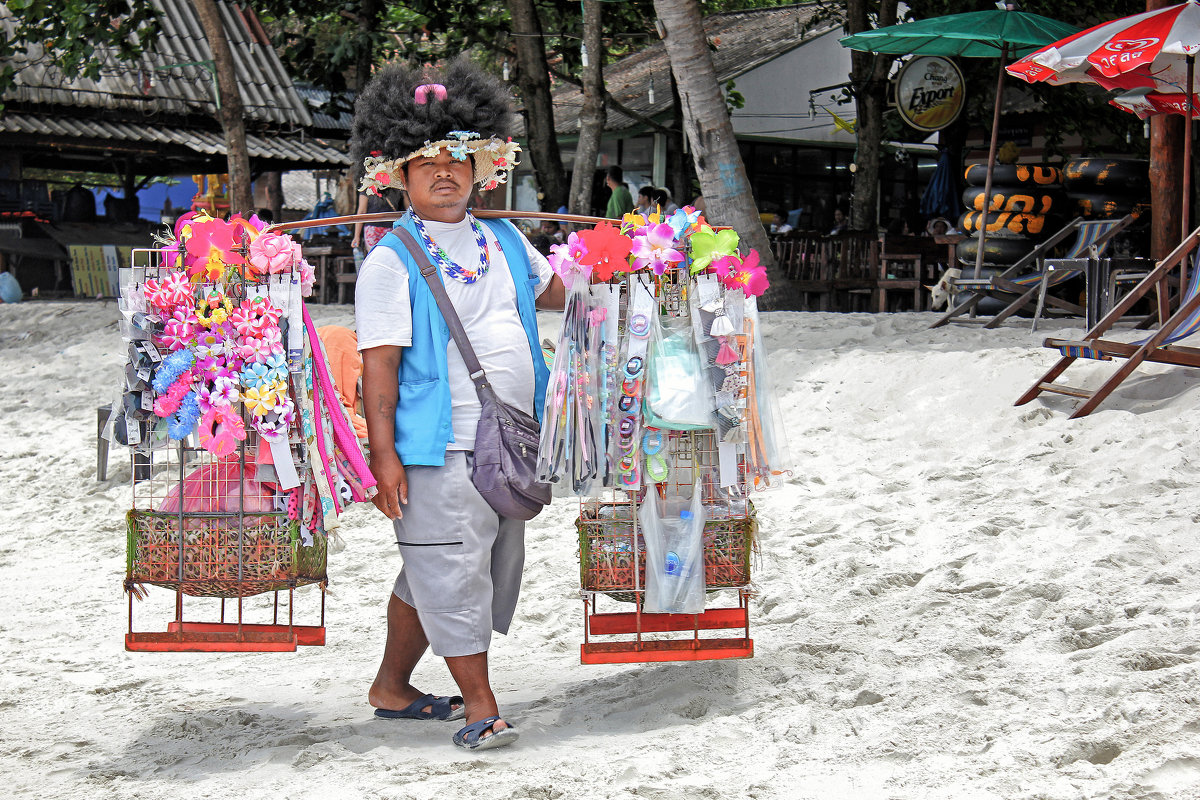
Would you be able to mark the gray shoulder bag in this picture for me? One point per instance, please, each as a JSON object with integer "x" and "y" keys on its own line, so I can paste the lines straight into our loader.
{"x": 506, "y": 441}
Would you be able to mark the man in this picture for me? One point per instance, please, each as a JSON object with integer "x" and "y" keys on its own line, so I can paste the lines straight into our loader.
{"x": 645, "y": 201}
{"x": 620, "y": 202}
{"x": 435, "y": 137}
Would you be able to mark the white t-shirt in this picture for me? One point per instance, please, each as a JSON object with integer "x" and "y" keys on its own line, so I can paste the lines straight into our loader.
{"x": 487, "y": 309}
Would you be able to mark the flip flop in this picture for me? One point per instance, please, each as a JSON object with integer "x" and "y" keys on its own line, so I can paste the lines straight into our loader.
{"x": 440, "y": 708}
{"x": 471, "y": 737}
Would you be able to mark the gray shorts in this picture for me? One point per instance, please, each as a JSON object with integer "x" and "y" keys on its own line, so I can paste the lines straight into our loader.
{"x": 462, "y": 561}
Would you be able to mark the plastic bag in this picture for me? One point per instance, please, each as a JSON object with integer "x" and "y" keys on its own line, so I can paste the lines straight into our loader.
{"x": 679, "y": 396}
{"x": 673, "y": 530}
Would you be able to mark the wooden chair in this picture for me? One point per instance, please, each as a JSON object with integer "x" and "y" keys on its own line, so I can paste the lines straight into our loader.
{"x": 900, "y": 272}
{"x": 1159, "y": 346}
{"x": 345, "y": 274}
{"x": 1027, "y": 281}
{"x": 855, "y": 263}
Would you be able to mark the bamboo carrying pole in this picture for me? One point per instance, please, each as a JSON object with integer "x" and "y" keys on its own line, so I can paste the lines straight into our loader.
{"x": 392, "y": 216}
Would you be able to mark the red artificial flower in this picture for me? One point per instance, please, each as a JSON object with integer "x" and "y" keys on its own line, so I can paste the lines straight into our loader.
{"x": 607, "y": 250}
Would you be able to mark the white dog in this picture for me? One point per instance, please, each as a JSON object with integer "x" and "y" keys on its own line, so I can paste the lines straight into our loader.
{"x": 939, "y": 293}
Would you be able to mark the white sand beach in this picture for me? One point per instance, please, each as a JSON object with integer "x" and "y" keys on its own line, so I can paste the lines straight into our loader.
{"x": 957, "y": 599}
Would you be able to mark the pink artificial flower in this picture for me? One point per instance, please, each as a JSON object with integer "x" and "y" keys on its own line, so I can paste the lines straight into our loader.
{"x": 565, "y": 259}
{"x": 224, "y": 391}
{"x": 210, "y": 249}
{"x": 176, "y": 334}
{"x": 308, "y": 277}
{"x": 270, "y": 253}
{"x": 745, "y": 274}
{"x": 652, "y": 248}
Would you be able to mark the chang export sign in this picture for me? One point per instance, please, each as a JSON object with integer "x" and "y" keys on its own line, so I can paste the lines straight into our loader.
{"x": 929, "y": 92}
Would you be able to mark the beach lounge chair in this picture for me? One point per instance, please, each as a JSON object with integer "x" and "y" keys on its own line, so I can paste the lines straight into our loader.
{"x": 1159, "y": 346}
{"x": 1025, "y": 282}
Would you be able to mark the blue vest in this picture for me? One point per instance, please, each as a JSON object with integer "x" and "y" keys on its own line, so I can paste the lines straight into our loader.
{"x": 423, "y": 427}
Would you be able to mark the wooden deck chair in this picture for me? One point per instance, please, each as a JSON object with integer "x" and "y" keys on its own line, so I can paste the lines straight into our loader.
{"x": 1090, "y": 243}
{"x": 1159, "y": 346}
{"x": 1028, "y": 278}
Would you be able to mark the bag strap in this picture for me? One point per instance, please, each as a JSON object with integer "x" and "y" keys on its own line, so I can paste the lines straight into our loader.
{"x": 428, "y": 272}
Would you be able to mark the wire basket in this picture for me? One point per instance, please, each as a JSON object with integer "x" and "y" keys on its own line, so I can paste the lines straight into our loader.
{"x": 215, "y": 560}
{"x": 606, "y": 555}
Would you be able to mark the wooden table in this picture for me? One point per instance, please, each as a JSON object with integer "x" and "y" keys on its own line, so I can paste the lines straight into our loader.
{"x": 322, "y": 257}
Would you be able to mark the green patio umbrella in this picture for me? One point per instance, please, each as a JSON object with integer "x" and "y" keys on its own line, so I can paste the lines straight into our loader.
{"x": 999, "y": 33}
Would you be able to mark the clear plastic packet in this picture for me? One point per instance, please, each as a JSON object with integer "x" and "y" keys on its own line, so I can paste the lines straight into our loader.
{"x": 673, "y": 530}
{"x": 571, "y": 451}
{"x": 767, "y": 455}
{"x": 679, "y": 396}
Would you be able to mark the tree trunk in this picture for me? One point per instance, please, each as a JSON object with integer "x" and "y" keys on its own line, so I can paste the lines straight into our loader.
{"x": 592, "y": 115}
{"x": 727, "y": 196}
{"x": 229, "y": 107}
{"x": 1166, "y": 174}
{"x": 533, "y": 79}
{"x": 679, "y": 176}
{"x": 274, "y": 193}
{"x": 868, "y": 77}
{"x": 366, "y": 21}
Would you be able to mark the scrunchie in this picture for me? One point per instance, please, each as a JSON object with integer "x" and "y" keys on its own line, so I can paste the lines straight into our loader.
{"x": 171, "y": 368}
{"x": 184, "y": 420}
{"x": 213, "y": 310}
{"x": 168, "y": 403}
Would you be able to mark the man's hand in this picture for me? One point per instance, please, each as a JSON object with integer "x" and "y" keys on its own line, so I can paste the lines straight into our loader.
{"x": 392, "y": 483}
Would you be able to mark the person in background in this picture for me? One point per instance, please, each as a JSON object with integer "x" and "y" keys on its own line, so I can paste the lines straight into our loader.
{"x": 780, "y": 224}
{"x": 265, "y": 215}
{"x": 549, "y": 234}
{"x": 840, "y": 223}
{"x": 939, "y": 226}
{"x": 663, "y": 202}
{"x": 645, "y": 201}
{"x": 367, "y": 235}
{"x": 552, "y": 231}
{"x": 620, "y": 202}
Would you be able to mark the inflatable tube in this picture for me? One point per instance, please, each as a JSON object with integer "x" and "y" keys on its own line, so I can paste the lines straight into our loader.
{"x": 1009, "y": 224}
{"x": 1124, "y": 176}
{"x": 1015, "y": 175}
{"x": 1022, "y": 200}
{"x": 997, "y": 252}
{"x": 1102, "y": 206}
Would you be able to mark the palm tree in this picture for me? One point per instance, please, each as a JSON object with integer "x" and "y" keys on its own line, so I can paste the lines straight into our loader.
{"x": 229, "y": 105}
{"x": 727, "y": 196}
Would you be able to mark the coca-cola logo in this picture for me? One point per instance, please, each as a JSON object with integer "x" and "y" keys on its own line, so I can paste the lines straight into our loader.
{"x": 1125, "y": 45}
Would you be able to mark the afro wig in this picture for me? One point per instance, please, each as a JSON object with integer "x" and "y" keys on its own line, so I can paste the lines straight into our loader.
{"x": 392, "y": 124}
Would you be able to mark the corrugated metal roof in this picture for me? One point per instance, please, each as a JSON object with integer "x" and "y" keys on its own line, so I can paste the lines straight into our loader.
{"x": 291, "y": 148}
{"x": 742, "y": 40}
{"x": 171, "y": 80}
{"x": 316, "y": 98}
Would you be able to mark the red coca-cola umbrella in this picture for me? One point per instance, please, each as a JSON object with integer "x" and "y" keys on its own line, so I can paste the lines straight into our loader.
{"x": 1152, "y": 53}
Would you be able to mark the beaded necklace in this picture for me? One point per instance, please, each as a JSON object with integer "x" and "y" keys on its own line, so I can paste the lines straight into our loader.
{"x": 449, "y": 268}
